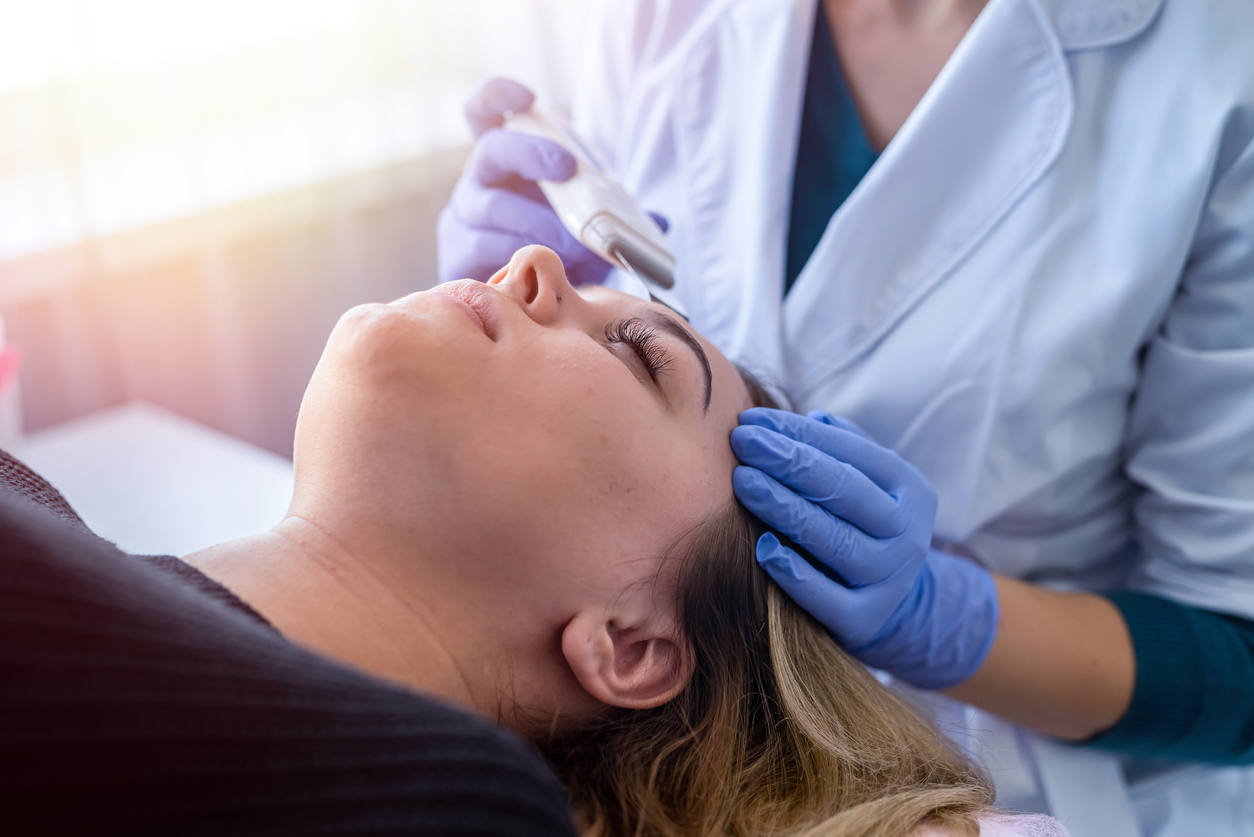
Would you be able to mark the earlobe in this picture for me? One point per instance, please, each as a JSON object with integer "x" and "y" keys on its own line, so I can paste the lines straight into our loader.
{"x": 628, "y": 667}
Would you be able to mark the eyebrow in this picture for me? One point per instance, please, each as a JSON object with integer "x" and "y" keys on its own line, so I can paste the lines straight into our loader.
{"x": 671, "y": 326}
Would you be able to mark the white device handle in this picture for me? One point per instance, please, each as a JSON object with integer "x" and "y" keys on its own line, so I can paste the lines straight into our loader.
{"x": 599, "y": 212}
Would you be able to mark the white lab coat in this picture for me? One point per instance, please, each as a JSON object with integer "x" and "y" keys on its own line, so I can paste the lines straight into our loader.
{"x": 1042, "y": 295}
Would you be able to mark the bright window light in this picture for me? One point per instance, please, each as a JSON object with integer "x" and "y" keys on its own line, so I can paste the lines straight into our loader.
{"x": 116, "y": 114}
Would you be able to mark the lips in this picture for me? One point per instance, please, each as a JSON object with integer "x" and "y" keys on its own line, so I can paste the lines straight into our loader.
{"x": 478, "y": 298}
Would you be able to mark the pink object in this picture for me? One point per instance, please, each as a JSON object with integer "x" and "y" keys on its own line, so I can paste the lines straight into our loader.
{"x": 10, "y": 361}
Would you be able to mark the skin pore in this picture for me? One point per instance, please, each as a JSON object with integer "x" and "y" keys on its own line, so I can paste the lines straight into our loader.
{"x": 1062, "y": 663}
{"x": 488, "y": 478}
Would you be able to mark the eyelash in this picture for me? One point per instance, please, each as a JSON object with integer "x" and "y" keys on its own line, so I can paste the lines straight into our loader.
{"x": 643, "y": 341}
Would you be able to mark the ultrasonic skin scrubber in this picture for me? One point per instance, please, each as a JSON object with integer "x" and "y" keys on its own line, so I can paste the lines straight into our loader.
{"x": 601, "y": 214}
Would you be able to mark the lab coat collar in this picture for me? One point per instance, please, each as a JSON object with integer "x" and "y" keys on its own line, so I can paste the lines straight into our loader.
{"x": 986, "y": 131}
{"x": 1091, "y": 24}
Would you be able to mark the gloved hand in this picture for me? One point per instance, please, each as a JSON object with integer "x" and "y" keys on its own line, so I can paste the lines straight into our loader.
{"x": 496, "y": 206}
{"x": 866, "y": 514}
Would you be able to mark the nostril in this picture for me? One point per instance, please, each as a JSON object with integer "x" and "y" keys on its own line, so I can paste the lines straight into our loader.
{"x": 533, "y": 288}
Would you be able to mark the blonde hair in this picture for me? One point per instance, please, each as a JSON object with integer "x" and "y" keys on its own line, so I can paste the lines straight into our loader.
{"x": 779, "y": 731}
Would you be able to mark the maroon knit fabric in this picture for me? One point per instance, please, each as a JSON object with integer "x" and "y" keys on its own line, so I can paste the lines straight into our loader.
{"x": 16, "y": 475}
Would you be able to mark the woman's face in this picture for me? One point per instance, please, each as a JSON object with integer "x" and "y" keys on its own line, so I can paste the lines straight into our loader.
{"x": 550, "y": 444}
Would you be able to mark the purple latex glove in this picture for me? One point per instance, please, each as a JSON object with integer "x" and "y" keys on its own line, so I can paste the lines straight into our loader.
{"x": 865, "y": 514}
{"x": 496, "y": 206}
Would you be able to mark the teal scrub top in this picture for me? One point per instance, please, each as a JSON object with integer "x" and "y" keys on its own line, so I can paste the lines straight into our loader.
{"x": 833, "y": 152}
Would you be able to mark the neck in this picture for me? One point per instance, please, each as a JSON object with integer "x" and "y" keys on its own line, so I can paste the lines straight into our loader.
{"x": 321, "y": 593}
{"x": 925, "y": 12}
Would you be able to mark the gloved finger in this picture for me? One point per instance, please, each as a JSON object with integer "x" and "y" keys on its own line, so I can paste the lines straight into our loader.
{"x": 481, "y": 254}
{"x": 850, "y": 553}
{"x": 510, "y": 212}
{"x": 487, "y": 106}
{"x": 502, "y": 156}
{"x": 826, "y": 600}
{"x": 661, "y": 221}
{"x": 885, "y": 468}
{"x": 832, "y": 485}
{"x": 838, "y": 421}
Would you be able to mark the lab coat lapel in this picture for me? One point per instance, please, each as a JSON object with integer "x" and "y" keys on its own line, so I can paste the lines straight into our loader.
{"x": 1092, "y": 24}
{"x": 985, "y": 132}
{"x": 739, "y": 113}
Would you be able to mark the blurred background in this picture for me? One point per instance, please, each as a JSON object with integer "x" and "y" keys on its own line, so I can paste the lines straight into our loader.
{"x": 192, "y": 191}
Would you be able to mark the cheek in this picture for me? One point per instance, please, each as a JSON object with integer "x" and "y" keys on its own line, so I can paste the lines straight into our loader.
{"x": 581, "y": 450}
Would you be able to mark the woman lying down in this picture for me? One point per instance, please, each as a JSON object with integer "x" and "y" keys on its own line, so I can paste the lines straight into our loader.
{"x": 513, "y": 504}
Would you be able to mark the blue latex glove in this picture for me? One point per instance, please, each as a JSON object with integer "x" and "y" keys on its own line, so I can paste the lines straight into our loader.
{"x": 496, "y": 206}
{"x": 866, "y": 514}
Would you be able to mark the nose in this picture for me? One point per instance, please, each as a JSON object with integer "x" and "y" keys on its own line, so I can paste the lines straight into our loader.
{"x": 536, "y": 280}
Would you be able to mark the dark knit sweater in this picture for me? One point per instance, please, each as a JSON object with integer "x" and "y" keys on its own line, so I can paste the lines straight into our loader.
{"x": 139, "y": 697}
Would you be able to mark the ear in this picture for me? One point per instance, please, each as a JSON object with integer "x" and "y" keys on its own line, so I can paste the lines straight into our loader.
{"x": 634, "y": 667}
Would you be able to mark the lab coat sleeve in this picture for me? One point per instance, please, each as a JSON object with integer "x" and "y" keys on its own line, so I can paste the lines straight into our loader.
{"x": 1191, "y": 431}
{"x": 1194, "y": 695}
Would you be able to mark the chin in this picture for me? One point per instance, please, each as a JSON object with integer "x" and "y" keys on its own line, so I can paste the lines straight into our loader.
{"x": 396, "y": 354}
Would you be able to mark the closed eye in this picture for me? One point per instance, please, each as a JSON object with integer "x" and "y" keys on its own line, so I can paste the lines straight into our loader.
{"x": 642, "y": 339}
